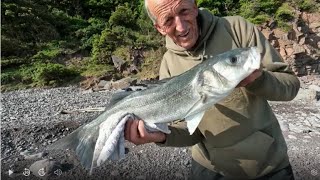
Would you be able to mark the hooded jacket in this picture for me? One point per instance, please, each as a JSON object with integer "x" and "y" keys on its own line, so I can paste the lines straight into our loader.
{"x": 240, "y": 136}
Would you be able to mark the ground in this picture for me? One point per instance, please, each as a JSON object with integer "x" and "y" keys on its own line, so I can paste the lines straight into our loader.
{"x": 31, "y": 120}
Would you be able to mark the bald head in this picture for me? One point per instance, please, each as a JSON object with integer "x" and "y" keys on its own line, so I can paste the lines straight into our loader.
{"x": 148, "y": 3}
{"x": 176, "y": 19}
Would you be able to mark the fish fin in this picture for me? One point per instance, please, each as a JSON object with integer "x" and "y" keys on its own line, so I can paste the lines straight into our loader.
{"x": 121, "y": 95}
{"x": 193, "y": 121}
{"x": 158, "y": 83}
{"x": 82, "y": 141}
{"x": 153, "y": 127}
{"x": 194, "y": 109}
{"x": 118, "y": 97}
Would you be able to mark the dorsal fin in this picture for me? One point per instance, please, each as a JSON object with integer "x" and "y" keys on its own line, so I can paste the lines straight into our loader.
{"x": 118, "y": 97}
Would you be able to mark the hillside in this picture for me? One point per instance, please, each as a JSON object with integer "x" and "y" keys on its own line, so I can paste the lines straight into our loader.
{"x": 54, "y": 43}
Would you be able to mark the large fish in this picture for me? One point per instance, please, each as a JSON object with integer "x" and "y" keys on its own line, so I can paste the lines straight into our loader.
{"x": 185, "y": 96}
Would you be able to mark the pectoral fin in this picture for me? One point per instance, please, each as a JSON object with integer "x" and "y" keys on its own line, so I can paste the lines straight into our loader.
{"x": 193, "y": 121}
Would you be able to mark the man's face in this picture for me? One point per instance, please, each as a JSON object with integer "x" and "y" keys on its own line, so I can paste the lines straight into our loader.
{"x": 177, "y": 19}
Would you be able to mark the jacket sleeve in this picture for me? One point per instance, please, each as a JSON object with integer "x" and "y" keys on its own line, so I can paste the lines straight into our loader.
{"x": 180, "y": 136}
{"x": 278, "y": 82}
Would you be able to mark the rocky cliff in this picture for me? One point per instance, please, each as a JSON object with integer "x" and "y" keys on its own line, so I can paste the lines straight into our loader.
{"x": 300, "y": 46}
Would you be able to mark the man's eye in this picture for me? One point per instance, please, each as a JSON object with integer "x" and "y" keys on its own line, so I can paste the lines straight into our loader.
{"x": 168, "y": 21}
{"x": 184, "y": 11}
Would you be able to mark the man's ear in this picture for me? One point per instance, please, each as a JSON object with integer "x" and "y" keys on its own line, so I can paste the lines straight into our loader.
{"x": 161, "y": 31}
{"x": 195, "y": 7}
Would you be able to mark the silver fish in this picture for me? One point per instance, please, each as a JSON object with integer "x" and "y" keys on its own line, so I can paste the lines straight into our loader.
{"x": 185, "y": 96}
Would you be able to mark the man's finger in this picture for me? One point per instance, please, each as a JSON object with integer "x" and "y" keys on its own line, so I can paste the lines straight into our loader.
{"x": 134, "y": 134}
{"x": 142, "y": 130}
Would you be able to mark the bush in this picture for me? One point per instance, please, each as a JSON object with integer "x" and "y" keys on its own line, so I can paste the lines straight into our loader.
{"x": 97, "y": 70}
{"x": 306, "y": 5}
{"x": 122, "y": 52}
{"x": 284, "y": 13}
{"x": 87, "y": 34}
{"x": 259, "y": 19}
{"x": 51, "y": 74}
{"x": 47, "y": 54}
{"x": 123, "y": 16}
{"x": 10, "y": 75}
{"x": 220, "y": 7}
{"x": 26, "y": 73}
{"x": 251, "y": 9}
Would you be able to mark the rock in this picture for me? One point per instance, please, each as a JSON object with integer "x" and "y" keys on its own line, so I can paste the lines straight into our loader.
{"x": 302, "y": 41}
{"x": 307, "y": 131}
{"x": 123, "y": 83}
{"x": 297, "y": 32}
{"x": 282, "y": 52}
{"x": 128, "y": 89}
{"x": 314, "y": 25}
{"x": 118, "y": 63}
{"x": 185, "y": 151}
{"x": 289, "y": 51}
{"x": 280, "y": 34}
{"x": 179, "y": 175}
{"x": 284, "y": 43}
{"x": 44, "y": 168}
{"x": 298, "y": 49}
{"x": 284, "y": 126}
{"x": 268, "y": 34}
{"x": 186, "y": 162}
{"x": 274, "y": 43}
{"x": 28, "y": 155}
{"x": 292, "y": 137}
{"x": 291, "y": 35}
{"x": 137, "y": 88}
{"x": 314, "y": 87}
{"x": 102, "y": 83}
{"x": 108, "y": 86}
{"x": 307, "y": 137}
{"x": 115, "y": 173}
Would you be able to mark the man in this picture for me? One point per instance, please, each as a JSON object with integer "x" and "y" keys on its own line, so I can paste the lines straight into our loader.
{"x": 240, "y": 137}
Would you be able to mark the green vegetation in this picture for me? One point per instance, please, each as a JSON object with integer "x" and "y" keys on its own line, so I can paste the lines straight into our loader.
{"x": 306, "y": 5}
{"x": 283, "y": 15}
{"x": 38, "y": 74}
{"x": 50, "y": 43}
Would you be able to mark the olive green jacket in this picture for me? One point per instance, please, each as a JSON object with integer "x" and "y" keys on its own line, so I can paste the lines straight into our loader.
{"x": 240, "y": 136}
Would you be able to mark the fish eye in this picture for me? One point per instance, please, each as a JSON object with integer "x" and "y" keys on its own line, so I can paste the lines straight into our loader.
{"x": 233, "y": 59}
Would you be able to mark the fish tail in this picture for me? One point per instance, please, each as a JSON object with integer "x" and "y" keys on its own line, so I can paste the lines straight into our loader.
{"x": 82, "y": 141}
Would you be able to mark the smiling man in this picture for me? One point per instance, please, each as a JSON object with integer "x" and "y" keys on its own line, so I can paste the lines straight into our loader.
{"x": 240, "y": 137}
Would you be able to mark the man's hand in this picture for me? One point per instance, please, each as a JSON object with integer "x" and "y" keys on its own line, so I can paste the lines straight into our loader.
{"x": 252, "y": 77}
{"x": 136, "y": 133}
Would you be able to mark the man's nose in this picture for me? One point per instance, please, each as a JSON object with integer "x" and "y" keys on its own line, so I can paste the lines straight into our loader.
{"x": 181, "y": 25}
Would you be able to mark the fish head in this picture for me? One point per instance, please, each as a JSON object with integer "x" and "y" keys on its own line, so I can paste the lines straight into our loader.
{"x": 233, "y": 66}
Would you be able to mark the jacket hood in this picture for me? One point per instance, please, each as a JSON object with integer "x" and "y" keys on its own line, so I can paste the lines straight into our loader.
{"x": 206, "y": 23}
